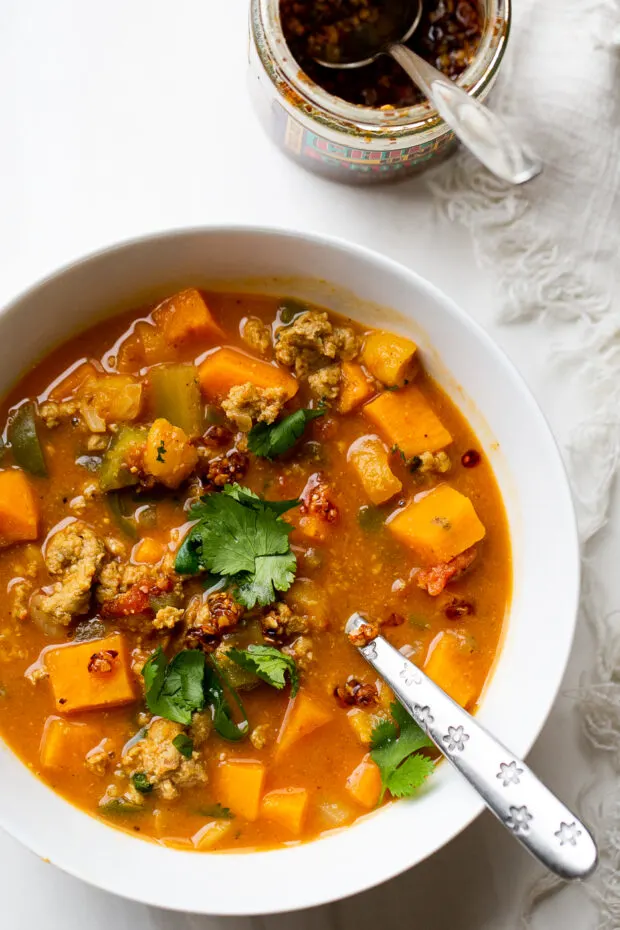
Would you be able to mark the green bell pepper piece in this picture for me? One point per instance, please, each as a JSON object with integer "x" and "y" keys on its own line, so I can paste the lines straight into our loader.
{"x": 176, "y": 397}
{"x": 124, "y": 523}
{"x": 114, "y": 472}
{"x": 22, "y": 434}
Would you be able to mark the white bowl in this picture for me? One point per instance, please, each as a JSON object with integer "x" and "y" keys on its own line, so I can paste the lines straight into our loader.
{"x": 542, "y": 617}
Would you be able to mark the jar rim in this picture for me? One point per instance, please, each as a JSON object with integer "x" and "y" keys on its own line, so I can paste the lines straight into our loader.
{"x": 355, "y": 118}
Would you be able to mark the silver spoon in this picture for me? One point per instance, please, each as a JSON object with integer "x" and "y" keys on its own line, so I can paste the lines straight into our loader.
{"x": 507, "y": 786}
{"x": 480, "y": 130}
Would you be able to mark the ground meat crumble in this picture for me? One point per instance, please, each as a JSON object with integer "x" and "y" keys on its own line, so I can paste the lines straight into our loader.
{"x": 74, "y": 556}
{"x": 257, "y": 335}
{"x": 325, "y": 383}
{"x": 312, "y": 342}
{"x": 247, "y": 404}
{"x": 156, "y": 757}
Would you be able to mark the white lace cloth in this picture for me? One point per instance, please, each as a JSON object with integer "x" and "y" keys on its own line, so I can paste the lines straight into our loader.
{"x": 553, "y": 248}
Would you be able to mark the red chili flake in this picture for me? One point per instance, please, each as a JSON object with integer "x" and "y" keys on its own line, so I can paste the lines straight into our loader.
{"x": 368, "y": 631}
{"x": 354, "y": 693}
{"x": 102, "y": 663}
{"x": 459, "y": 607}
{"x": 316, "y": 499}
{"x": 394, "y": 619}
{"x": 470, "y": 459}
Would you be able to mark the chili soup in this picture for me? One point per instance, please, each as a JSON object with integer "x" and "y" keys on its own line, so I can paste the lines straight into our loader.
{"x": 194, "y": 497}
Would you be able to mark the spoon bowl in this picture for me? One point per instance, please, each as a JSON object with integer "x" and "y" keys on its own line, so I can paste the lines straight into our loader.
{"x": 364, "y": 45}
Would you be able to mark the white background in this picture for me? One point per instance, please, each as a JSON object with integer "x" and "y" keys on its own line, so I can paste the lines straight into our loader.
{"x": 123, "y": 118}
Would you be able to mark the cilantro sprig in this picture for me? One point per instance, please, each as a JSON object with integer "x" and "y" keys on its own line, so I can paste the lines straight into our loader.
{"x": 267, "y": 663}
{"x": 187, "y": 684}
{"x": 223, "y": 720}
{"x": 394, "y": 748}
{"x": 217, "y": 811}
{"x": 271, "y": 439}
{"x": 242, "y": 537}
{"x": 175, "y": 690}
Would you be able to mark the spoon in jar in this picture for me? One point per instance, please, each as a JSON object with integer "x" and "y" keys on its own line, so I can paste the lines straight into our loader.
{"x": 479, "y": 130}
{"x": 511, "y": 791}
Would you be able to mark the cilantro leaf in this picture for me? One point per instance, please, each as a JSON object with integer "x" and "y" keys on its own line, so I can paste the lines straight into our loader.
{"x": 141, "y": 783}
{"x": 250, "y": 499}
{"x": 271, "y": 572}
{"x": 269, "y": 440}
{"x": 187, "y": 561}
{"x": 217, "y": 811}
{"x": 221, "y": 709}
{"x": 241, "y": 536}
{"x": 394, "y": 752}
{"x": 184, "y": 744}
{"x": 267, "y": 663}
{"x": 175, "y": 690}
{"x": 410, "y": 776}
{"x": 382, "y": 732}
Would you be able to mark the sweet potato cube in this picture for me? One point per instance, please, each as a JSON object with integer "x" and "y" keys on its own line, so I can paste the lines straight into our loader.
{"x": 92, "y": 675}
{"x": 450, "y": 667}
{"x": 287, "y": 807}
{"x": 19, "y": 508}
{"x": 438, "y": 526}
{"x": 364, "y": 783}
{"x": 169, "y": 455}
{"x": 64, "y": 744}
{"x": 152, "y": 345}
{"x": 390, "y": 358}
{"x": 303, "y": 716}
{"x": 185, "y": 316}
{"x": 130, "y": 353}
{"x": 73, "y": 380}
{"x": 355, "y": 388}
{"x": 225, "y": 368}
{"x": 363, "y": 723}
{"x": 406, "y": 420}
{"x": 211, "y": 834}
{"x": 240, "y": 786}
{"x": 369, "y": 458}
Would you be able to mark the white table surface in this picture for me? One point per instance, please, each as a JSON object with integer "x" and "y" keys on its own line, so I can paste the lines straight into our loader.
{"x": 123, "y": 118}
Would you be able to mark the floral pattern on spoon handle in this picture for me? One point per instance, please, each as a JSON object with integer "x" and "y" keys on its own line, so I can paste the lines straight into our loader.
{"x": 535, "y": 816}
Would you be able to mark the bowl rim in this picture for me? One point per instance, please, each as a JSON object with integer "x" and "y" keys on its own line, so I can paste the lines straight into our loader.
{"x": 389, "y": 867}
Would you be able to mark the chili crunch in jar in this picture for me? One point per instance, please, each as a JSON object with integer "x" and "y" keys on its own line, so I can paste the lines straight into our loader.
{"x": 448, "y": 37}
{"x": 370, "y": 124}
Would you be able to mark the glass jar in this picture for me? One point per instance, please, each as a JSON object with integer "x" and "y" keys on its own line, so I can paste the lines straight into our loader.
{"x": 352, "y": 143}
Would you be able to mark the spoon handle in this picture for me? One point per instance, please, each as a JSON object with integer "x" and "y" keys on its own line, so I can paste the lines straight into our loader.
{"x": 479, "y": 129}
{"x": 508, "y": 787}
